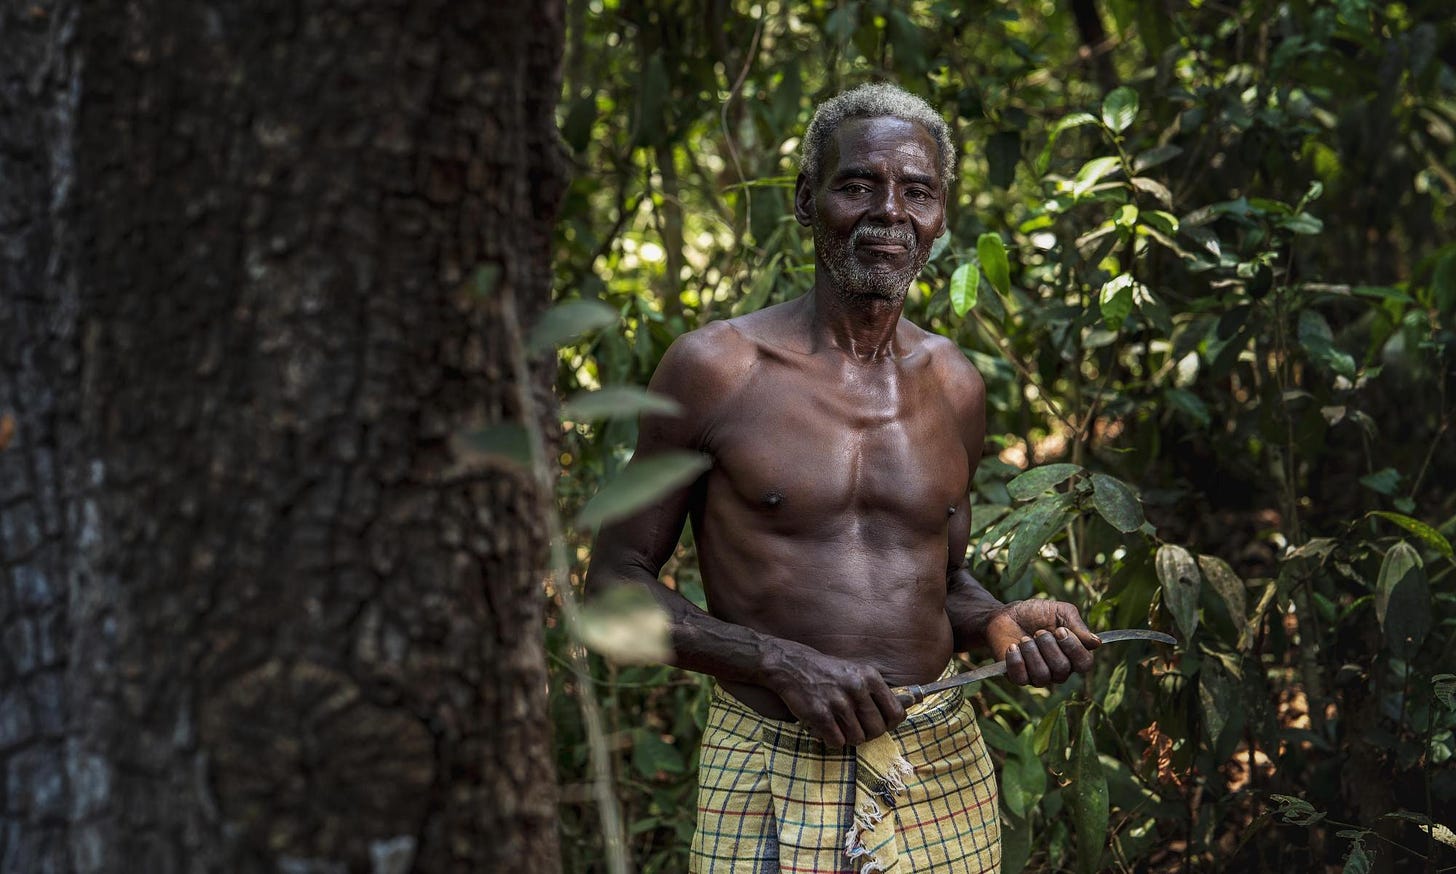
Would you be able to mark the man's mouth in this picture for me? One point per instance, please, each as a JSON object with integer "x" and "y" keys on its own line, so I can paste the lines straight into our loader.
{"x": 888, "y": 243}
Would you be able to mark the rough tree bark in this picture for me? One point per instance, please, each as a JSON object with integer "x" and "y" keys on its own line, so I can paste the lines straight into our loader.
{"x": 255, "y": 613}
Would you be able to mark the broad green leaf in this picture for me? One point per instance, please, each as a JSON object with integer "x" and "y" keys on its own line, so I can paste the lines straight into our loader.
{"x": 1432, "y": 538}
{"x": 1229, "y": 587}
{"x": 1115, "y": 300}
{"x": 1015, "y": 845}
{"x": 1311, "y": 194}
{"x": 1202, "y": 236}
{"x": 652, "y": 755}
{"x": 1116, "y": 688}
{"x": 1154, "y": 157}
{"x": 938, "y": 248}
{"x": 1219, "y": 696}
{"x": 569, "y": 320}
{"x": 1303, "y": 223}
{"x": 1403, "y": 600}
{"x": 1116, "y": 503}
{"x": 996, "y": 735}
{"x": 1046, "y": 518}
{"x": 1384, "y": 481}
{"x": 1317, "y": 339}
{"x": 1002, "y": 529}
{"x": 1296, "y": 810}
{"x": 1126, "y": 216}
{"x": 1165, "y": 222}
{"x": 1359, "y": 860}
{"x": 1440, "y": 832}
{"x": 1089, "y": 802}
{"x": 1192, "y": 405}
{"x": 1028, "y": 485}
{"x": 763, "y": 283}
{"x": 617, "y": 402}
{"x": 643, "y": 482}
{"x": 1023, "y": 777}
{"x": 1091, "y": 173}
{"x": 1066, "y": 123}
{"x": 1157, "y": 189}
{"x": 1152, "y": 308}
{"x": 1120, "y": 108}
{"x": 965, "y": 284}
{"x": 626, "y": 625}
{"x": 1046, "y": 729}
{"x": 992, "y": 253}
{"x": 1444, "y": 687}
{"x": 1181, "y": 581}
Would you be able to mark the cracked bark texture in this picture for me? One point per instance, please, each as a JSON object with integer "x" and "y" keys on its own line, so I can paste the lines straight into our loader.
{"x": 255, "y": 613}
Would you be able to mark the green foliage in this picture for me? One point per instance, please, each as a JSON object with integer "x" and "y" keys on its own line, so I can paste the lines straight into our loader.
{"x": 1205, "y": 268}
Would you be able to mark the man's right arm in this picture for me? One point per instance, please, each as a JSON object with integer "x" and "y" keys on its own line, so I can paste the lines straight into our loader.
{"x": 699, "y": 372}
{"x": 840, "y": 701}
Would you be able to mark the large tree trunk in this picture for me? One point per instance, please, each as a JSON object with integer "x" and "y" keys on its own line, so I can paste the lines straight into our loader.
{"x": 255, "y": 613}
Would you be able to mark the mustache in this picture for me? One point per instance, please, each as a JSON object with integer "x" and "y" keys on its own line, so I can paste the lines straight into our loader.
{"x": 903, "y": 236}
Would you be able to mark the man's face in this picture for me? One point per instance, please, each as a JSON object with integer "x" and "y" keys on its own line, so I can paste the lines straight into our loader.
{"x": 877, "y": 208}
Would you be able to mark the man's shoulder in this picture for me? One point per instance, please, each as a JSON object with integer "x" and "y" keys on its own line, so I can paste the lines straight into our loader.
{"x": 948, "y": 359}
{"x": 705, "y": 365}
{"x": 717, "y": 347}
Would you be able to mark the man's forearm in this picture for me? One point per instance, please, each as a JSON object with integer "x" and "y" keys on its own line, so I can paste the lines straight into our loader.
{"x": 708, "y": 645}
{"x": 970, "y": 607}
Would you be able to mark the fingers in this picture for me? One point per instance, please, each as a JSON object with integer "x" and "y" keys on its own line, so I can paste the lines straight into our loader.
{"x": 1016, "y": 665}
{"x": 856, "y": 708}
{"x": 891, "y": 709}
{"x": 1046, "y": 658}
{"x": 1074, "y": 650}
{"x": 1072, "y": 620}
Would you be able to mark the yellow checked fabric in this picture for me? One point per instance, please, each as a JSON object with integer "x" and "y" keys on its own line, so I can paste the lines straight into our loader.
{"x": 772, "y": 798}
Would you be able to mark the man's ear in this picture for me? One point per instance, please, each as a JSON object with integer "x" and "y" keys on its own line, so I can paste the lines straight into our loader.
{"x": 804, "y": 200}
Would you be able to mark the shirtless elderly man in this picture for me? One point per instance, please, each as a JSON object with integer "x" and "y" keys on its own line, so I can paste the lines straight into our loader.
{"x": 832, "y": 533}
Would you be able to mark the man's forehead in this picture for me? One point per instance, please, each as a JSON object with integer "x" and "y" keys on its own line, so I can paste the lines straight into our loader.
{"x": 860, "y": 138}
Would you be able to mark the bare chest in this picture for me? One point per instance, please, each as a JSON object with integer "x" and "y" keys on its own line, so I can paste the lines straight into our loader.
{"x": 822, "y": 450}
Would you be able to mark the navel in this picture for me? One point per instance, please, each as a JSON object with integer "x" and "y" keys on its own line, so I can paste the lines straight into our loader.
{"x": 772, "y": 498}
{"x": 950, "y": 511}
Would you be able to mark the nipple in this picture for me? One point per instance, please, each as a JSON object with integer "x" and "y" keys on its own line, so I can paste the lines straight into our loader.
{"x": 773, "y": 498}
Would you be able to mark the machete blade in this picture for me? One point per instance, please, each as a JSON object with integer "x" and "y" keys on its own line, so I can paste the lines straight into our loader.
{"x": 911, "y": 695}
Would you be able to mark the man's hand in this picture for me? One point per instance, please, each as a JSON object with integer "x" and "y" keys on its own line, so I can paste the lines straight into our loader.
{"x": 1042, "y": 641}
{"x": 842, "y": 703}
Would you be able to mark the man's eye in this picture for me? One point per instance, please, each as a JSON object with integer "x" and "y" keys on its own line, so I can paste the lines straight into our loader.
{"x": 854, "y": 189}
{"x": 918, "y": 194}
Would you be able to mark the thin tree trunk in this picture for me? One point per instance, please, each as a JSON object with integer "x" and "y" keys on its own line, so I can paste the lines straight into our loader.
{"x": 258, "y": 615}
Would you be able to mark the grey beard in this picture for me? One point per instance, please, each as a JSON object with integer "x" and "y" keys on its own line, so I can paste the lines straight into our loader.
{"x": 853, "y": 279}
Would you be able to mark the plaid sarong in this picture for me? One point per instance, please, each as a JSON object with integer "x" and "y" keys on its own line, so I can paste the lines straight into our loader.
{"x": 772, "y": 798}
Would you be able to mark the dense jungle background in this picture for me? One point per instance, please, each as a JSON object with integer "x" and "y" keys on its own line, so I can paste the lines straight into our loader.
{"x": 1203, "y": 254}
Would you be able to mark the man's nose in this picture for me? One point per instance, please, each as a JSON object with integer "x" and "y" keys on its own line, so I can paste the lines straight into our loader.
{"x": 890, "y": 205}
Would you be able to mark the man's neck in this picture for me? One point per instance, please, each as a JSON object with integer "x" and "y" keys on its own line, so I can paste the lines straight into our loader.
{"x": 861, "y": 327}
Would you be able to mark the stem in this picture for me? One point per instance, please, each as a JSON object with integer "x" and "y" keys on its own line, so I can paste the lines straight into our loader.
{"x": 1440, "y": 432}
{"x": 1308, "y": 621}
{"x": 608, "y": 808}
{"x": 1005, "y": 346}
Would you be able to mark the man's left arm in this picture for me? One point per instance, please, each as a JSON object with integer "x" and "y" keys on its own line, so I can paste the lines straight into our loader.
{"x": 1042, "y": 641}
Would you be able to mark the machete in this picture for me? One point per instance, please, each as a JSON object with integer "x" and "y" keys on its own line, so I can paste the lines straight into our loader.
{"x": 911, "y": 695}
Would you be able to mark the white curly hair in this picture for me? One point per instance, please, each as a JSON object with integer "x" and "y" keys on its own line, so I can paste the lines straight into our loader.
{"x": 873, "y": 100}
